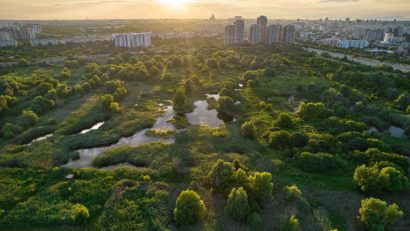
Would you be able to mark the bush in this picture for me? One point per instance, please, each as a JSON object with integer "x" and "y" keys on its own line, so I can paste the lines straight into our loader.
{"x": 226, "y": 105}
{"x": 292, "y": 192}
{"x": 180, "y": 102}
{"x": 280, "y": 139}
{"x": 376, "y": 215}
{"x": 380, "y": 176}
{"x": 120, "y": 93}
{"x": 41, "y": 105}
{"x": 248, "y": 130}
{"x": 106, "y": 101}
{"x": 237, "y": 205}
{"x": 312, "y": 111}
{"x": 189, "y": 208}
{"x": 375, "y": 155}
{"x": 254, "y": 221}
{"x": 402, "y": 102}
{"x": 284, "y": 120}
{"x": 220, "y": 175}
{"x": 261, "y": 185}
{"x": 10, "y": 130}
{"x": 290, "y": 224}
{"x": 28, "y": 118}
{"x": 319, "y": 162}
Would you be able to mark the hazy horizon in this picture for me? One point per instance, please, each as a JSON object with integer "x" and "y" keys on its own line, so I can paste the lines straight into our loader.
{"x": 201, "y": 9}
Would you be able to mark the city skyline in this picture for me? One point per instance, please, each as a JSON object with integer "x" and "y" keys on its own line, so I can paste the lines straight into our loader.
{"x": 199, "y": 9}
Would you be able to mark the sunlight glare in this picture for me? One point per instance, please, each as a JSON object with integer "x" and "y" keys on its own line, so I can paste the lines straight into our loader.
{"x": 174, "y": 3}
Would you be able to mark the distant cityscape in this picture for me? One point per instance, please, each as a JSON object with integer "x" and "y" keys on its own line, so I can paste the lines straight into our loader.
{"x": 371, "y": 35}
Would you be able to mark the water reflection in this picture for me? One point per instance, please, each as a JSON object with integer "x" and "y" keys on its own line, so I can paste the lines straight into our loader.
{"x": 396, "y": 132}
{"x": 41, "y": 138}
{"x": 139, "y": 138}
{"x": 95, "y": 127}
{"x": 201, "y": 114}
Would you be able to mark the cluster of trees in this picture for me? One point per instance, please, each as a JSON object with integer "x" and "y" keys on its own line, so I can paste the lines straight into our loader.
{"x": 246, "y": 192}
{"x": 381, "y": 176}
{"x": 109, "y": 104}
{"x": 183, "y": 100}
{"x": 375, "y": 214}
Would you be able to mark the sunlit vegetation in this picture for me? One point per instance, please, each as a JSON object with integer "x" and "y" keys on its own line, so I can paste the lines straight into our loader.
{"x": 304, "y": 140}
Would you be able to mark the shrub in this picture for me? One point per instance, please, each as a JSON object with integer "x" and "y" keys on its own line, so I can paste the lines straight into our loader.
{"x": 41, "y": 105}
{"x": 312, "y": 111}
{"x": 402, "y": 102}
{"x": 28, "y": 118}
{"x": 120, "y": 93}
{"x": 316, "y": 162}
{"x": 10, "y": 130}
{"x": 189, "y": 208}
{"x": 106, "y": 101}
{"x": 240, "y": 179}
{"x": 180, "y": 102}
{"x": 292, "y": 192}
{"x": 280, "y": 139}
{"x": 380, "y": 176}
{"x": 237, "y": 205}
{"x": 254, "y": 221}
{"x": 284, "y": 120}
{"x": 375, "y": 155}
{"x": 290, "y": 224}
{"x": 115, "y": 107}
{"x": 261, "y": 185}
{"x": 248, "y": 129}
{"x": 225, "y": 105}
{"x": 220, "y": 175}
{"x": 375, "y": 214}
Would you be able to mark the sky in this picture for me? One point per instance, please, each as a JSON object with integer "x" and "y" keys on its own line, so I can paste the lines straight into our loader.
{"x": 200, "y": 9}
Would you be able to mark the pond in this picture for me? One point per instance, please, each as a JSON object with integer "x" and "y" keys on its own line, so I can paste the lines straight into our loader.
{"x": 201, "y": 114}
{"x": 88, "y": 155}
{"x": 94, "y": 127}
{"x": 396, "y": 132}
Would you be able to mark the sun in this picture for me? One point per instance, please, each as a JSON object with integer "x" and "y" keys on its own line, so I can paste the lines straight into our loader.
{"x": 174, "y": 3}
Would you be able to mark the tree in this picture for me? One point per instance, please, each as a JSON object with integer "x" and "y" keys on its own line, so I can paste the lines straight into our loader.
{"x": 237, "y": 205}
{"x": 280, "y": 139}
{"x": 220, "y": 175}
{"x": 284, "y": 120}
{"x": 28, "y": 118}
{"x": 41, "y": 104}
{"x": 115, "y": 107}
{"x": 292, "y": 192}
{"x": 189, "y": 208}
{"x": 3, "y": 103}
{"x": 380, "y": 176}
{"x": 226, "y": 105}
{"x": 106, "y": 101}
{"x": 312, "y": 110}
{"x": 120, "y": 93}
{"x": 62, "y": 90}
{"x": 402, "y": 102}
{"x": 180, "y": 102}
{"x": 248, "y": 129}
{"x": 65, "y": 73}
{"x": 376, "y": 215}
{"x": 189, "y": 87}
{"x": 154, "y": 71}
{"x": 261, "y": 185}
{"x": 392, "y": 179}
